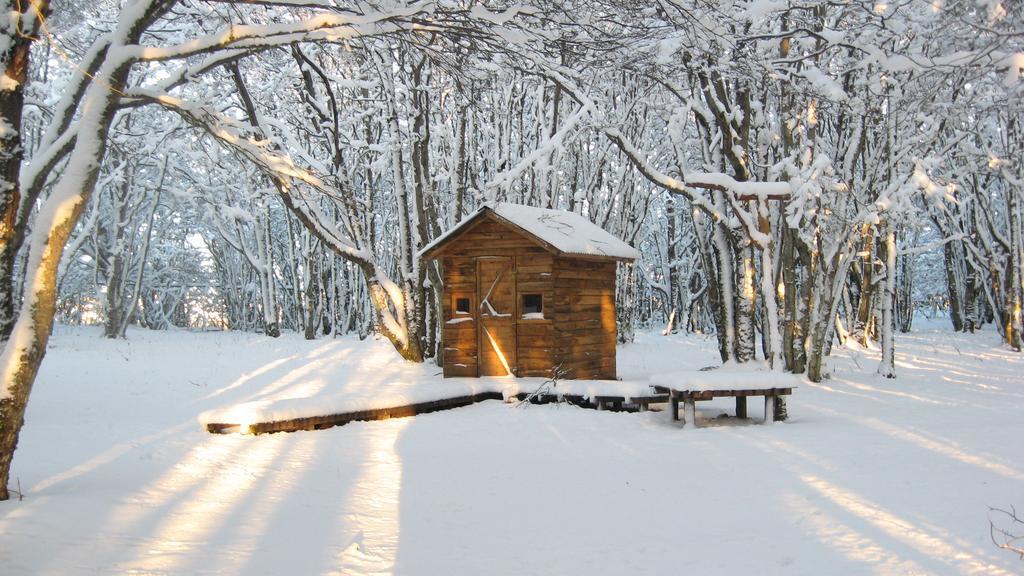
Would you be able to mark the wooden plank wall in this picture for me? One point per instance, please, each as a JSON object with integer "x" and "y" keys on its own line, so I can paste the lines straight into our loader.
{"x": 535, "y": 338}
{"x": 585, "y": 317}
{"x": 492, "y": 238}
{"x": 459, "y": 339}
{"x": 578, "y": 329}
{"x": 488, "y": 238}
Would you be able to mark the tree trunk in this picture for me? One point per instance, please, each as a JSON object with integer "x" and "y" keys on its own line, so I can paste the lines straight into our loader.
{"x": 1013, "y": 303}
{"x": 625, "y": 303}
{"x": 862, "y": 327}
{"x": 746, "y": 299}
{"x": 792, "y": 335}
{"x": 23, "y": 353}
{"x": 905, "y": 292}
{"x": 726, "y": 316}
{"x": 952, "y": 286}
{"x": 18, "y": 33}
{"x": 887, "y": 328}
{"x": 115, "y": 271}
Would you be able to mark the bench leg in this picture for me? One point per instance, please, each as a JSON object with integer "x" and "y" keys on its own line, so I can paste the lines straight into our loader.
{"x": 781, "y": 413}
{"x": 689, "y": 413}
{"x": 601, "y": 405}
{"x": 769, "y": 409}
{"x": 673, "y": 406}
{"x": 741, "y": 406}
{"x": 642, "y": 406}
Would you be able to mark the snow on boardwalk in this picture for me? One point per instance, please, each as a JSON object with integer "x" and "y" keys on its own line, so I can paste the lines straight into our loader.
{"x": 869, "y": 476}
{"x": 401, "y": 397}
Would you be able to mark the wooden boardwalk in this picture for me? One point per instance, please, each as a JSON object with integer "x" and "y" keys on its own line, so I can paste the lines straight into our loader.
{"x": 331, "y": 420}
{"x": 613, "y": 403}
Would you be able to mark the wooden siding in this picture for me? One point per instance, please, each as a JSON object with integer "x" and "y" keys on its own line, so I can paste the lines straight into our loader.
{"x": 496, "y": 316}
{"x": 584, "y": 317}
{"x": 578, "y": 328}
{"x": 459, "y": 339}
{"x": 535, "y": 337}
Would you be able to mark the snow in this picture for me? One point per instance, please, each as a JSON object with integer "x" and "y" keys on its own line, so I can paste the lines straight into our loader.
{"x": 567, "y": 232}
{"x": 339, "y": 390}
{"x": 758, "y": 9}
{"x": 481, "y": 13}
{"x": 720, "y": 181}
{"x": 667, "y": 48}
{"x": 533, "y": 316}
{"x": 730, "y": 377}
{"x": 869, "y": 475}
{"x": 230, "y": 213}
{"x": 1014, "y": 65}
{"x": 824, "y": 83}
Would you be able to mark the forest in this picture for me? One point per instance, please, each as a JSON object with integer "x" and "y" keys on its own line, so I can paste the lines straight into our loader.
{"x": 796, "y": 175}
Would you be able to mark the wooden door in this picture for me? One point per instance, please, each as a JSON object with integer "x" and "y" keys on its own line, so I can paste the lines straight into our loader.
{"x": 496, "y": 293}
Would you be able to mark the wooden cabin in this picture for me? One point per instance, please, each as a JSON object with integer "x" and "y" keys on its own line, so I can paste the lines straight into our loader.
{"x": 528, "y": 289}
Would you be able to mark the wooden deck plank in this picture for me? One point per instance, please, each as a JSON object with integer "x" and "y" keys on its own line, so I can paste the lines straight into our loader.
{"x": 331, "y": 420}
{"x": 663, "y": 394}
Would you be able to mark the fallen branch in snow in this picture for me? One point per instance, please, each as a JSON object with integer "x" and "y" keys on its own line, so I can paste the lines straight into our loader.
{"x": 1011, "y": 537}
{"x": 557, "y": 373}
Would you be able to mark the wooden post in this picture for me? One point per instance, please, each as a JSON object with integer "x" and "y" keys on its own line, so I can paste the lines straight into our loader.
{"x": 689, "y": 412}
{"x": 741, "y": 406}
{"x": 769, "y": 408}
{"x": 673, "y": 405}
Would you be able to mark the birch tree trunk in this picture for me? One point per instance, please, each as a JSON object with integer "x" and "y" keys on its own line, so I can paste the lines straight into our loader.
{"x": 1013, "y": 308}
{"x": 887, "y": 367}
{"x": 746, "y": 299}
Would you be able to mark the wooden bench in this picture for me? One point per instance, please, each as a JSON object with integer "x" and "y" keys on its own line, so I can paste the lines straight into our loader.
{"x": 691, "y": 397}
{"x": 636, "y": 403}
{"x": 609, "y": 402}
{"x": 643, "y": 403}
{"x": 599, "y": 402}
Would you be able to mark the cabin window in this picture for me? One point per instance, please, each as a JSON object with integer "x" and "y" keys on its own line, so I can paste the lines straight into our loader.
{"x": 533, "y": 306}
{"x": 462, "y": 305}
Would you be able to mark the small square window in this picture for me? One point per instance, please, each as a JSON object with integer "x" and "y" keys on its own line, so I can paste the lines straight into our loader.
{"x": 533, "y": 304}
{"x": 462, "y": 306}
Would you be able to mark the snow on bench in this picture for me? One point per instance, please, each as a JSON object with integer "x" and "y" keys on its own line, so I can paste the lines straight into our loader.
{"x": 730, "y": 380}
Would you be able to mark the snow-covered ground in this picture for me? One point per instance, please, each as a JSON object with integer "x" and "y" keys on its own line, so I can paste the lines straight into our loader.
{"x": 869, "y": 476}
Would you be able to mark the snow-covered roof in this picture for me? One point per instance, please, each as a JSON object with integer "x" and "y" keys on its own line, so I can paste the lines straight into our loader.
{"x": 566, "y": 232}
